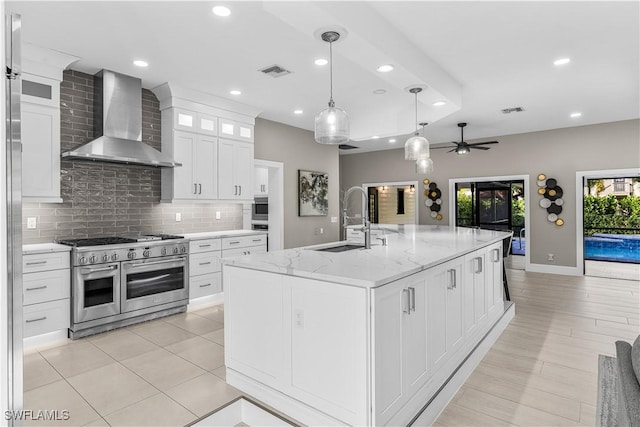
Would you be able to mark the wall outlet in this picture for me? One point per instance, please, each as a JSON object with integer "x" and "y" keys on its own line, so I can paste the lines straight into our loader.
{"x": 178, "y": 217}
{"x": 299, "y": 319}
{"x": 32, "y": 222}
{"x": 551, "y": 257}
{"x": 218, "y": 216}
{"x": 334, "y": 219}
{"x": 321, "y": 230}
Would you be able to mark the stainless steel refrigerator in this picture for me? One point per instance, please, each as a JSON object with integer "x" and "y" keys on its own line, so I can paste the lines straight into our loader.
{"x": 13, "y": 194}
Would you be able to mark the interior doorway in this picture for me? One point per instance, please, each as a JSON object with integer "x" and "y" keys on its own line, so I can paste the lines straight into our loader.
{"x": 392, "y": 202}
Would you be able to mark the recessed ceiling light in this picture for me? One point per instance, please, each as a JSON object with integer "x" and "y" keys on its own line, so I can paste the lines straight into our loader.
{"x": 375, "y": 137}
{"x": 140, "y": 63}
{"x": 298, "y": 111}
{"x": 392, "y": 140}
{"x": 439, "y": 103}
{"x": 235, "y": 92}
{"x": 561, "y": 61}
{"x": 379, "y": 91}
{"x": 385, "y": 68}
{"x": 221, "y": 11}
{"x": 321, "y": 61}
{"x": 575, "y": 115}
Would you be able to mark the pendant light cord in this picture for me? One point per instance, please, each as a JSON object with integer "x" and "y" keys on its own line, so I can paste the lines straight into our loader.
{"x": 331, "y": 103}
{"x": 416, "y": 94}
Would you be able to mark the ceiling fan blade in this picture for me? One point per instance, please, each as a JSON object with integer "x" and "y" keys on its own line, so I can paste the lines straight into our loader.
{"x": 479, "y": 148}
{"x": 451, "y": 151}
{"x": 484, "y": 143}
{"x": 444, "y": 146}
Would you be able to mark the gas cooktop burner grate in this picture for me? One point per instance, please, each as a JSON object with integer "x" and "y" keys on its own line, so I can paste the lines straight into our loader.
{"x": 96, "y": 241}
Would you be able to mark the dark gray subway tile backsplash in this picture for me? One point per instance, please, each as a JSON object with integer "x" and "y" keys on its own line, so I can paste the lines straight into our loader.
{"x": 101, "y": 199}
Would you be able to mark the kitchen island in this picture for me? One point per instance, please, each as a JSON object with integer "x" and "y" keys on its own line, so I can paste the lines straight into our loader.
{"x": 379, "y": 336}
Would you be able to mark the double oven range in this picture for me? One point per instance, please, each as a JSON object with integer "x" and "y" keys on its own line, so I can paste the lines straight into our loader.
{"x": 117, "y": 281}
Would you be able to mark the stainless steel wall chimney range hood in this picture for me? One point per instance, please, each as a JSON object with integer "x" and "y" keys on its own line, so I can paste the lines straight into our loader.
{"x": 117, "y": 103}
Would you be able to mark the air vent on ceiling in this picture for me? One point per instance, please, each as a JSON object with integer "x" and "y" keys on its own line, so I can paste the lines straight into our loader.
{"x": 275, "y": 71}
{"x": 513, "y": 110}
{"x": 346, "y": 147}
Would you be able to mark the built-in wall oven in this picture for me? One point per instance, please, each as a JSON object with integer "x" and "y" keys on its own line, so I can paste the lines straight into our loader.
{"x": 120, "y": 281}
{"x": 260, "y": 209}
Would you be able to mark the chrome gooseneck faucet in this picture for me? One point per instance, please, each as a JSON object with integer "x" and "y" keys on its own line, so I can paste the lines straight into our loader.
{"x": 366, "y": 224}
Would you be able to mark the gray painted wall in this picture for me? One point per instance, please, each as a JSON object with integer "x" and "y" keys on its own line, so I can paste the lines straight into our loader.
{"x": 557, "y": 153}
{"x": 297, "y": 149}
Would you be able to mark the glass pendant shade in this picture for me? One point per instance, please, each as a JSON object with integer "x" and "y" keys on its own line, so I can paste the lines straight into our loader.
{"x": 416, "y": 147}
{"x": 424, "y": 166}
{"x": 332, "y": 126}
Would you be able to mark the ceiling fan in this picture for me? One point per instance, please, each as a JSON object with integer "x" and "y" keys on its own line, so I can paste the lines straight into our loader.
{"x": 464, "y": 147}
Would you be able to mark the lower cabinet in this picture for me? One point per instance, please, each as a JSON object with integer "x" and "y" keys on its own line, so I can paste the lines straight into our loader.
{"x": 495, "y": 290}
{"x": 244, "y": 245}
{"x": 204, "y": 268}
{"x": 46, "y": 293}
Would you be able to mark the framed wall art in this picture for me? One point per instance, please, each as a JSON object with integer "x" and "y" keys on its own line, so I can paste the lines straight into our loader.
{"x": 313, "y": 193}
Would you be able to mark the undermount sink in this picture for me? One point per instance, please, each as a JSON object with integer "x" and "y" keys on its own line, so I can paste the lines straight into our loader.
{"x": 341, "y": 248}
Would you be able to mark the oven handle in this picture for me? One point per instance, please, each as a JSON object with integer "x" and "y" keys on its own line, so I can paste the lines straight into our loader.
{"x": 142, "y": 264}
{"x": 95, "y": 270}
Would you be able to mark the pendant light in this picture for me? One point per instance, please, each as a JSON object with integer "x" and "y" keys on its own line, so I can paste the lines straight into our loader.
{"x": 424, "y": 164}
{"x": 331, "y": 124}
{"x": 416, "y": 147}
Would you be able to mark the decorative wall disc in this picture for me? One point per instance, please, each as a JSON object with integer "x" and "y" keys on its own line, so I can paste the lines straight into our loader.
{"x": 439, "y": 217}
{"x": 551, "y": 183}
{"x": 425, "y": 181}
{"x": 555, "y": 209}
{"x": 434, "y": 214}
{"x": 435, "y": 208}
{"x": 541, "y": 191}
{"x": 552, "y": 217}
{"x": 558, "y": 202}
{"x": 439, "y": 201}
{"x": 428, "y": 203}
{"x": 559, "y": 222}
{"x": 541, "y": 183}
{"x": 545, "y": 203}
{"x": 551, "y": 192}
{"x": 433, "y": 201}
{"x": 426, "y": 193}
{"x": 542, "y": 177}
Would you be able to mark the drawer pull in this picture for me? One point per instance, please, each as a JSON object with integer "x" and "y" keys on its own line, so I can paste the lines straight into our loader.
{"x": 37, "y": 262}
{"x": 204, "y": 246}
{"x": 257, "y": 240}
{"x": 35, "y": 289}
{"x": 234, "y": 243}
{"x": 205, "y": 263}
{"x": 36, "y": 320}
{"x": 204, "y": 286}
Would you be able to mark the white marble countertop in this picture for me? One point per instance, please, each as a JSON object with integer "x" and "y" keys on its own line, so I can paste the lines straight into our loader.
{"x": 410, "y": 249}
{"x": 40, "y": 248}
{"x": 224, "y": 233}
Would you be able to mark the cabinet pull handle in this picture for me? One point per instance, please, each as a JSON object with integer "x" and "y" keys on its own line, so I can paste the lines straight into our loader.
{"x": 412, "y": 299}
{"x": 35, "y": 289}
{"x": 204, "y": 286}
{"x": 240, "y": 187}
{"x": 234, "y": 243}
{"x": 199, "y": 188}
{"x": 36, "y": 320}
{"x": 257, "y": 240}
{"x": 204, "y": 246}
{"x": 479, "y": 267}
{"x": 497, "y": 255}
{"x": 452, "y": 279}
{"x": 405, "y": 302}
{"x": 195, "y": 188}
{"x": 37, "y": 262}
{"x": 205, "y": 263}
{"x": 235, "y": 190}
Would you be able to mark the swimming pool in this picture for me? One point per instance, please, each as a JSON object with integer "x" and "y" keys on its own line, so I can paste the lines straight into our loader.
{"x": 613, "y": 247}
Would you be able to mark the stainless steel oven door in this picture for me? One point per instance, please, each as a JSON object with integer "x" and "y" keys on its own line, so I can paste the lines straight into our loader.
{"x": 150, "y": 282}
{"x": 96, "y": 292}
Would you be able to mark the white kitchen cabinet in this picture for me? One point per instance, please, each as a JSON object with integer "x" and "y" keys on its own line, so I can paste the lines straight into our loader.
{"x": 260, "y": 181}
{"x": 194, "y": 122}
{"x": 444, "y": 297}
{"x": 235, "y": 170}
{"x": 494, "y": 280}
{"x": 46, "y": 289}
{"x": 204, "y": 268}
{"x": 244, "y": 245}
{"x": 400, "y": 335}
{"x": 40, "y": 126}
{"x": 232, "y": 129}
{"x": 196, "y": 179}
{"x": 475, "y": 283}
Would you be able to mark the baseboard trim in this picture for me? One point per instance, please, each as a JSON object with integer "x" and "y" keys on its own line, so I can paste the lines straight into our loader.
{"x": 199, "y": 303}
{"x": 553, "y": 269}
{"x": 43, "y": 340}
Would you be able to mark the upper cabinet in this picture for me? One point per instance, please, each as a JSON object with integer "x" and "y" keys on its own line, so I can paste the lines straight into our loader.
{"x": 213, "y": 139}
{"x": 40, "y": 123}
{"x": 260, "y": 181}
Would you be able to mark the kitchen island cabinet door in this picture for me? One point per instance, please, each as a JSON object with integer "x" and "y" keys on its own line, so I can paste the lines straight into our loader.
{"x": 474, "y": 291}
{"x": 494, "y": 280}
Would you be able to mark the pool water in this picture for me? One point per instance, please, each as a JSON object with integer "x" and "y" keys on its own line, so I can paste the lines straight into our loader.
{"x": 613, "y": 247}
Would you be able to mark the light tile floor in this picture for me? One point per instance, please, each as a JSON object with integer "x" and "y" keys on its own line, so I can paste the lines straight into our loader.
{"x": 541, "y": 371}
{"x": 168, "y": 371}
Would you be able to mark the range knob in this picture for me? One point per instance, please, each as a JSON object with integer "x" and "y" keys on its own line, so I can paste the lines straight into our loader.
{"x": 93, "y": 259}
{"x": 146, "y": 253}
{"x": 114, "y": 257}
{"x": 105, "y": 258}
{"x": 131, "y": 255}
{"x": 183, "y": 249}
{"x": 175, "y": 250}
{"x": 82, "y": 260}
{"x": 163, "y": 251}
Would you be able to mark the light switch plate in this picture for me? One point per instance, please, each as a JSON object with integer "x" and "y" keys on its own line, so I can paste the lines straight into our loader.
{"x": 178, "y": 217}
{"x": 334, "y": 219}
{"x": 32, "y": 222}
{"x": 218, "y": 216}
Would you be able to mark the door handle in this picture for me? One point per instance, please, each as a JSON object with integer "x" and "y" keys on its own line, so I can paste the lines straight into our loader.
{"x": 452, "y": 279}
{"x": 479, "y": 266}
{"x": 406, "y": 305}
{"x": 412, "y": 299}
{"x": 497, "y": 254}
{"x": 142, "y": 264}
{"x": 199, "y": 188}
{"x": 235, "y": 191}
{"x": 95, "y": 270}
{"x": 204, "y": 286}
{"x": 240, "y": 187}
{"x": 37, "y": 262}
